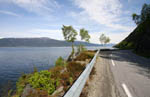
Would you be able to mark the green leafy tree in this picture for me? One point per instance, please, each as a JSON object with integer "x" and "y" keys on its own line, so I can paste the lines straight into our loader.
{"x": 69, "y": 34}
{"x": 103, "y": 39}
{"x": 84, "y": 35}
{"x": 145, "y": 14}
{"x": 136, "y": 18}
{"x": 107, "y": 40}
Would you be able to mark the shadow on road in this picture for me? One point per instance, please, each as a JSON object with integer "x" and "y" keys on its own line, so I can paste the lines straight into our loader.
{"x": 128, "y": 56}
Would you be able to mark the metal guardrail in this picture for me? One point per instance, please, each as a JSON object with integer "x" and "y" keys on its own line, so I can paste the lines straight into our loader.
{"x": 77, "y": 87}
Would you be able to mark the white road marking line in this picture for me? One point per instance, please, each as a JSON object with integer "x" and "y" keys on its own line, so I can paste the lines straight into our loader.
{"x": 112, "y": 61}
{"x": 126, "y": 90}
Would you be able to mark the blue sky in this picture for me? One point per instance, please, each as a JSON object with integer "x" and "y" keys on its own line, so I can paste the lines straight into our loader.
{"x": 44, "y": 18}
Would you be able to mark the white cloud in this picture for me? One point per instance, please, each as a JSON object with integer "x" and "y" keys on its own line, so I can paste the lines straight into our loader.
{"x": 94, "y": 37}
{"x": 9, "y": 13}
{"x": 57, "y": 34}
{"x": 42, "y": 7}
{"x": 105, "y": 12}
{"x": 54, "y": 34}
{"x": 115, "y": 37}
{"x": 45, "y": 31}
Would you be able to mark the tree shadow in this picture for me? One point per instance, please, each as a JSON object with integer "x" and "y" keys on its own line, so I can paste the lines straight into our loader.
{"x": 131, "y": 58}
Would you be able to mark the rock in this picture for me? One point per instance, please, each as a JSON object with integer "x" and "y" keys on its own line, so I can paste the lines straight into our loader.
{"x": 27, "y": 90}
{"x": 59, "y": 92}
{"x": 62, "y": 71}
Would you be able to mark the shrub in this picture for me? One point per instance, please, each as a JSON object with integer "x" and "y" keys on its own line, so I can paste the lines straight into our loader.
{"x": 43, "y": 81}
{"x": 71, "y": 80}
{"x": 85, "y": 55}
{"x": 60, "y": 62}
{"x": 56, "y": 71}
{"x": 65, "y": 79}
{"x": 21, "y": 83}
{"x": 75, "y": 69}
{"x": 37, "y": 93}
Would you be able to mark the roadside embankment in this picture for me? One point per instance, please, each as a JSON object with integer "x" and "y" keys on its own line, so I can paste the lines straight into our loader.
{"x": 56, "y": 81}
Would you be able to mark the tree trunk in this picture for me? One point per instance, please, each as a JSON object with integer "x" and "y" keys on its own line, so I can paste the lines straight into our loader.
{"x": 70, "y": 58}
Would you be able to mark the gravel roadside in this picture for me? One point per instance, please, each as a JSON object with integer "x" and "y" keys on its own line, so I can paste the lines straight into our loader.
{"x": 102, "y": 83}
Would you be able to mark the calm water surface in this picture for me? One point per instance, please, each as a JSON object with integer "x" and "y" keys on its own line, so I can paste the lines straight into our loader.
{"x": 17, "y": 60}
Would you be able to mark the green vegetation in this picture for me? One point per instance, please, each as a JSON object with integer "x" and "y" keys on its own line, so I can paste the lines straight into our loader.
{"x": 103, "y": 39}
{"x": 22, "y": 82}
{"x": 84, "y": 34}
{"x": 43, "y": 81}
{"x": 60, "y": 62}
{"x": 85, "y": 55}
{"x": 70, "y": 34}
{"x": 144, "y": 16}
{"x": 46, "y": 82}
{"x": 75, "y": 69}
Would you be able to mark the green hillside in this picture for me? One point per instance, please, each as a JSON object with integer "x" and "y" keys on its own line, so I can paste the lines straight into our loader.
{"x": 138, "y": 40}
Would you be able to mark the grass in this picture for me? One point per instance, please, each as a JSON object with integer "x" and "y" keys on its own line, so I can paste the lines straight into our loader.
{"x": 85, "y": 55}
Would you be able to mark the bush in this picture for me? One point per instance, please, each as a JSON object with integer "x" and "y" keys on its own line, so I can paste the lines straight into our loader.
{"x": 56, "y": 71}
{"x": 21, "y": 83}
{"x": 65, "y": 80}
{"x": 60, "y": 62}
{"x": 75, "y": 69}
{"x": 85, "y": 55}
{"x": 38, "y": 93}
{"x": 43, "y": 81}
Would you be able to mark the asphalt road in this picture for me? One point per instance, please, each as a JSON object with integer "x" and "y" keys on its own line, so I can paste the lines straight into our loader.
{"x": 131, "y": 73}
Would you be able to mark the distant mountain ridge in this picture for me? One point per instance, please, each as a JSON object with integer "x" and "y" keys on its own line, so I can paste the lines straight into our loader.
{"x": 38, "y": 42}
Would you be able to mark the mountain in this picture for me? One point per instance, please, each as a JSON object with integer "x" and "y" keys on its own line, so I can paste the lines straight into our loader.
{"x": 138, "y": 40}
{"x": 37, "y": 42}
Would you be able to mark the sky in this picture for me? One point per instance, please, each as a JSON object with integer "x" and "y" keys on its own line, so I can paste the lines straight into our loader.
{"x": 44, "y": 18}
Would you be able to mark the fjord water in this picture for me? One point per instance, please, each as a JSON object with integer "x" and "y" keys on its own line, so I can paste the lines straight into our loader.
{"x": 17, "y": 60}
